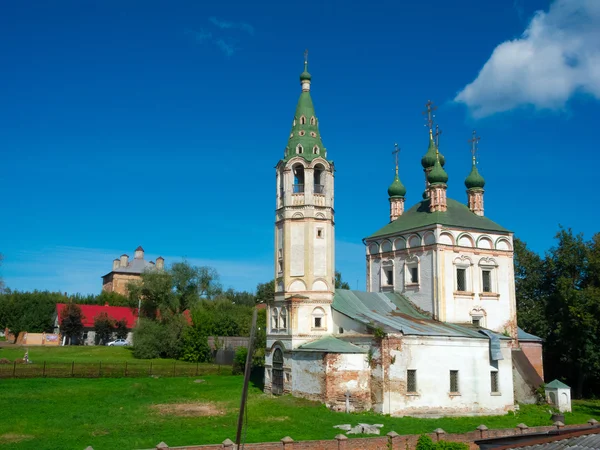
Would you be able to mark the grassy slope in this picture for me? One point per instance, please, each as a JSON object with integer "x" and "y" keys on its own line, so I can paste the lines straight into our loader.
{"x": 115, "y": 413}
{"x": 82, "y": 353}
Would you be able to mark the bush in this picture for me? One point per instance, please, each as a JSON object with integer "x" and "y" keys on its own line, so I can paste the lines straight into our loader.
{"x": 195, "y": 346}
{"x": 239, "y": 361}
{"x": 425, "y": 443}
{"x": 147, "y": 337}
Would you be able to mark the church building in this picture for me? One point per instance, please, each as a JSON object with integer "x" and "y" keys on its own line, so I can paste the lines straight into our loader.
{"x": 436, "y": 332}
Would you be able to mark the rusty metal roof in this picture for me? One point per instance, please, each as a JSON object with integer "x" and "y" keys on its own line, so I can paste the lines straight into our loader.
{"x": 586, "y": 442}
{"x": 394, "y": 313}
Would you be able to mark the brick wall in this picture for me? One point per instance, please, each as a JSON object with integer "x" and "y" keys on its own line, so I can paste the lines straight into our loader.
{"x": 533, "y": 351}
{"x": 391, "y": 441}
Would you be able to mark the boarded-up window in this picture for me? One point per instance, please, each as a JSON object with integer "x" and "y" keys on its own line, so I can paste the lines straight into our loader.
{"x": 461, "y": 279}
{"x": 494, "y": 380}
{"x": 454, "y": 381}
{"x": 411, "y": 381}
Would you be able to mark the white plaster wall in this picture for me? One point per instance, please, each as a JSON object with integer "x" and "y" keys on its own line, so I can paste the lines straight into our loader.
{"x": 308, "y": 374}
{"x": 297, "y": 249}
{"x": 348, "y": 325}
{"x": 320, "y": 250}
{"x": 421, "y": 295}
{"x": 433, "y": 358}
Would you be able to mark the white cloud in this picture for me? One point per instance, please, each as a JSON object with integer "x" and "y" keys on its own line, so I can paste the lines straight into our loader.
{"x": 557, "y": 56}
{"x": 227, "y": 25}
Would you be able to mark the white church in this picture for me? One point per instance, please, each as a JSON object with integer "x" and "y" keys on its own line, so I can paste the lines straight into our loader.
{"x": 436, "y": 332}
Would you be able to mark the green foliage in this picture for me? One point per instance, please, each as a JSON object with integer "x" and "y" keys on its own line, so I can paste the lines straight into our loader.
{"x": 195, "y": 346}
{"x": 425, "y": 443}
{"x": 239, "y": 361}
{"x": 147, "y": 337}
{"x": 339, "y": 284}
{"x": 265, "y": 292}
{"x": 71, "y": 322}
{"x": 221, "y": 317}
{"x": 558, "y": 298}
{"x": 104, "y": 327}
{"x": 121, "y": 329}
{"x": 113, "y": 299}
{"x": 447, "y": 445}
{"x": 29, "y": 311}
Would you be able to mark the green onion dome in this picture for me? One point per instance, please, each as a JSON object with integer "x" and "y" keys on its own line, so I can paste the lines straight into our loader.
{"x": 437, "y": 174}
{"x": 429, "y": 159}
{"x": 397, "y": 189}
{"x": 474, "y": 180}
{"x": 305, "y": 76}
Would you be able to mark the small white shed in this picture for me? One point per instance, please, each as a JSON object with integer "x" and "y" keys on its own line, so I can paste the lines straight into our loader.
{"x": 558, "y": 394}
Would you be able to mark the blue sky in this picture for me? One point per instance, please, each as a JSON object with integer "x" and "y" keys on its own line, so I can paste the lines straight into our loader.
{"x": 155, "y": 123}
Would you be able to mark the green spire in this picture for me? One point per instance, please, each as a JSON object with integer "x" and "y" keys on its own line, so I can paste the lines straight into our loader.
{"x": 474, "y": 180}
{"x": 437, "y": 175}
{"x": 396, "y": 189}
{"x": 305, "y": 139}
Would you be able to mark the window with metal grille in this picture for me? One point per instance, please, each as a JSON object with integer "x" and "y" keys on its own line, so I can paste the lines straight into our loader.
{"x": 317, "y": 322}
{"x": 414, "y": 275}
{"x": 494, "y": 380}
{"x": 454, "y": 381}
{"x": 486, "y": 280}
{"x": 411, "y": 381}
{"x": 461, "y": 279}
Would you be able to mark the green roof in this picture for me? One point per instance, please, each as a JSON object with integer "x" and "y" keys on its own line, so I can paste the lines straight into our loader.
{"x": 330, "y": 344}
{"x": 457, "y": 215}
{"x": 428, "y": 160}
{"x": 557, "y": 385}
{"x": 437, "y": 174}
{"x": 523, "y": 335}
{"x": 305, "y": 134}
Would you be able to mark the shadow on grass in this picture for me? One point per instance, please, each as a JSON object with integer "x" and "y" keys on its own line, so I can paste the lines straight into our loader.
{"x": 257, "y": 378}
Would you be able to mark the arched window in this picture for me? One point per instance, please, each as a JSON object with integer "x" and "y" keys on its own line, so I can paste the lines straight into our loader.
{"x": 316, "y": 150}
{"x": 313, "y": 121}
{"x": 299, "y": 149}
{"x": 302, "y": 120}
{"x": 277, "y": 384}
{"x": 298, "y": 170}
{"x": 283, "y": 318}
{"x": 274, "y": 319}
{"x": 319, "y": 179}
{"x": 318, "y": 319}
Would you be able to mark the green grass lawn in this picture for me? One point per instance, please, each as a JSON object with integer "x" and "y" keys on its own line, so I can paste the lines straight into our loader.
{"x": 123, "y": 414}
{"x": 67, "y": 354}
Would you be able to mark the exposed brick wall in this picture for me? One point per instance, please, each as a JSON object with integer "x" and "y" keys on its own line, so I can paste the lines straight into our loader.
{"x": 391, "y": 441}
{"x": 533, "y": 351}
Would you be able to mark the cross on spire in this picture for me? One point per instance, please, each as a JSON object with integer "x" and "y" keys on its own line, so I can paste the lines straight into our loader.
{"x": 396, "y": 152}
{"x": 430, "y": 116}
{"x": 437, "y": 135}
{"x": 474, "y": 141}
{"x": 305, "y": 58}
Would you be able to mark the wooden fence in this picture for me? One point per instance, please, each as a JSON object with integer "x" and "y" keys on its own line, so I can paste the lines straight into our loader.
{"x": 110, "y": 369}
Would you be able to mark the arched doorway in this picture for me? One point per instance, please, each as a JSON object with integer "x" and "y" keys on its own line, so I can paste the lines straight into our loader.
{"x": 277, "y": 385}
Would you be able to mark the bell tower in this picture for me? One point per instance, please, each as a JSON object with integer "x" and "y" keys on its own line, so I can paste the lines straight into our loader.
{"x": 304, "y": 238}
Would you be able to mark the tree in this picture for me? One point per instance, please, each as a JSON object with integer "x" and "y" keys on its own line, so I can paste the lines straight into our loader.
{"x": 265, "y": 292}
{"x": 121, "y": 329}
{"x": 28, "y": 311}
{"x": 531, "y": 294}
{"x": 71, "y": 322}
{"x": 104, "y": 327}
{"x": 339, "y": 284}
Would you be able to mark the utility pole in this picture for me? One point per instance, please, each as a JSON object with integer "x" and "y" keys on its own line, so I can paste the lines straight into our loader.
{"x": 247, "y": 370}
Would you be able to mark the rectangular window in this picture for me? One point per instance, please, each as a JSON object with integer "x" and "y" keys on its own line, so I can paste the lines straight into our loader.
{"x": 280, "y": 266}
{"x": 414, "y": 275}
{"x": 486, "y": 280}
{"x": 461, "y": 279}
{"x": 454, "y": 381}
{"x": 411, "y": 381}
{"x": 319, "y": 233}
{"x": 494, "y": 380}
{"x": 477, "y": 321}
{"x": 317, "y": 322}
{"x": 389, "y": 277}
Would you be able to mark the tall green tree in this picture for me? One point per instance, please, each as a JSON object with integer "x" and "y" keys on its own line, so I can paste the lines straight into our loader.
{"x": 339, "y": 283}
{"x": 104, "y": 326}
{"x": 29, "y": 311}
{"x": 265, "y": 292}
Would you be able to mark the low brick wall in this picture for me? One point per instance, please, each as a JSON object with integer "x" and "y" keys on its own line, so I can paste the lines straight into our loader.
{"x": 391, "y": 441}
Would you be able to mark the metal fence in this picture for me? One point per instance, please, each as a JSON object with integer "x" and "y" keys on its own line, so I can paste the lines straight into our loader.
{"x": 110, "y": 370}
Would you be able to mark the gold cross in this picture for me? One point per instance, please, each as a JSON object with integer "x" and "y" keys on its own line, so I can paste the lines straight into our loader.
{"x": 437, "y": 135}
{"x": 474, "y": 141}
{"x": 396, "y": 153}
{"x": 430, "y": 116}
